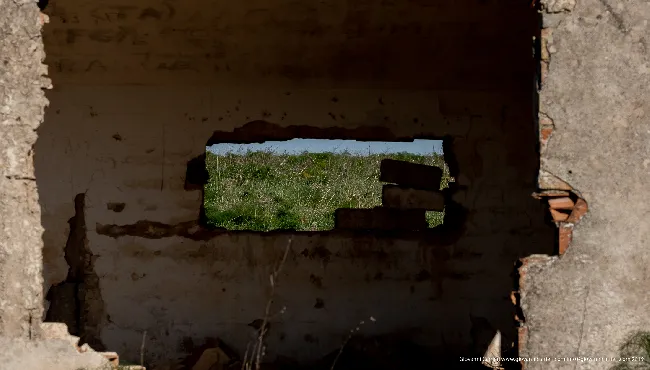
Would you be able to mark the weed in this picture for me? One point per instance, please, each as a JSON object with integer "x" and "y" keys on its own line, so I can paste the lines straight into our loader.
{"x": 263, "y": 191}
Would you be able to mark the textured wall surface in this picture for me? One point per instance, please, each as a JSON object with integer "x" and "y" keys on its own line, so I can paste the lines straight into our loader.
{"x": 48, "y": 354}
{"x": 592, "y": 299}
{"x": 139, "y": 90}
{"x": 335, "y": 43}
{"x": 21, "y": 111}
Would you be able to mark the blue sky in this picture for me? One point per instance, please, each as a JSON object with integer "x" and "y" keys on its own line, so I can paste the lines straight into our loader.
{"x": 297, "y": 146}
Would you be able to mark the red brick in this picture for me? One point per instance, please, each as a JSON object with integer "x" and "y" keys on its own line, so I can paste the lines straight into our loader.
{"x": 401, "y": 197}
{"x": 559, "y": 216}
{"x": 561, "y": 203}
{"x": 566, "y": 233}
{"x": 412, "y": 175}
{"x": 579, "y": 211}
{"x": 382, "y": 218}
{"x": 544, "y": 135}
{"x": 522, "y": 336}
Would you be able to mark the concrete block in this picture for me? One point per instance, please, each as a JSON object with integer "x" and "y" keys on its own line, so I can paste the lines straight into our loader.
{"x": 380, "y": 218}
{"x": 408, "y": 174}
{"x": 402, "y": 197}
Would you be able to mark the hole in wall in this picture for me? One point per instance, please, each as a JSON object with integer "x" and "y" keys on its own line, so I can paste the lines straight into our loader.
{"x": 299, "y": 184}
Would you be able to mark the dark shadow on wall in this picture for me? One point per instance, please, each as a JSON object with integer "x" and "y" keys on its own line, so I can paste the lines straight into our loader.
{"x": 467, "y": 265}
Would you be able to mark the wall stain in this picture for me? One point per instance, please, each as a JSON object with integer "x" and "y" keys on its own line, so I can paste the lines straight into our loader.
{"x": 115, "y": 207}
{"x": 317, "y": 281}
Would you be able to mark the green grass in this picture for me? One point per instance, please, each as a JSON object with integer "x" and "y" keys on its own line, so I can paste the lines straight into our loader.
{"x": 262, "y": 191}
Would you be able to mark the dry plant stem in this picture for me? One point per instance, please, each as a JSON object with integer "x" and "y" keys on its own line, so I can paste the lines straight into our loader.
{"x": 144, "y": 335}
{"x": 245, "y": 364}
{"x": 258, "y": 351}
{"x": 273, "y": 279}
{"x": 345, "y": 342}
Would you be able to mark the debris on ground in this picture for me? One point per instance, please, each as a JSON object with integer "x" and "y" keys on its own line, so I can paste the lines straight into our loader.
{"x": 59, "y": 331}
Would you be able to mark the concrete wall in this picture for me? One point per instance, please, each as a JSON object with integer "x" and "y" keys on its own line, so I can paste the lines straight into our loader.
{"x": 21, "y": 111}
{"x": 593, "y": 301}
{"x": 139, "y": 89}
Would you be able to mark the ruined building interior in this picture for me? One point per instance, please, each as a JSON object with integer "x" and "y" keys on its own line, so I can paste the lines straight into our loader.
{"x": 139, "y": 88}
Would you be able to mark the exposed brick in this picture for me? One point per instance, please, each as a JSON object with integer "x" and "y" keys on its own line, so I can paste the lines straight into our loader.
{"x": 559, "y": 216}
{"x": 408, "y": 174}
{"x": 566, "y": 232}
{"x": 546, "y": 36}
{"x": 561, "y": 203}
{"x": 382, "y": 218}
{"x": 522, "y": 336}
{"x": 545, "y": 134}
{"x": 579, "y": 210}
{"x": 543, "y": 72}
{"x": 545, "y": 120}
{"x": 402, "y": 197}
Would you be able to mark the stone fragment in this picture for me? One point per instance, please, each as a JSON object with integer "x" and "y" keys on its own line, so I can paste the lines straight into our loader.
{"x": 402, "y": 197}
{"x": 59, "y": 330}
{"x": 381, "y": 218}
{"x": 413, "y": 175}
{"x": 548, "y": 181}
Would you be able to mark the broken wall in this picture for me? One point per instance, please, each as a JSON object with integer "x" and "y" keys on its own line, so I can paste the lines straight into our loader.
{"x": 21, "y": 111}
{"x": 591, "y": 302}
{"x": 139, "y": 89}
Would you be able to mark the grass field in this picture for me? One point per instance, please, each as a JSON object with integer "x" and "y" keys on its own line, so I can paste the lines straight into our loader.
{"x": 263, "y": 191}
